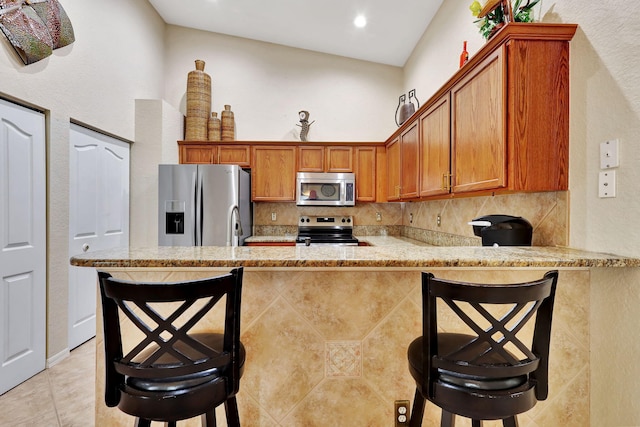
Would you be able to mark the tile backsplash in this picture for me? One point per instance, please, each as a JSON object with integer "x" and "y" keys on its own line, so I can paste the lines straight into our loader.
{"x": 548, "y": 213}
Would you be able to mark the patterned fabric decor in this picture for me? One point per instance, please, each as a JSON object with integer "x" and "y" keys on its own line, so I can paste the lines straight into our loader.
{"x": 35, "y": 27}
{"x": 55, "y": 18}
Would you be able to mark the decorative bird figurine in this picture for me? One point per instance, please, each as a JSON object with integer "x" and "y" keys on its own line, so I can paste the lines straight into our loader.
{"x": 304, "y": 124}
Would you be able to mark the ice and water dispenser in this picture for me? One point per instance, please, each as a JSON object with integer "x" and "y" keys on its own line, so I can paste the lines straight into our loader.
{"x": 174, "y": 216}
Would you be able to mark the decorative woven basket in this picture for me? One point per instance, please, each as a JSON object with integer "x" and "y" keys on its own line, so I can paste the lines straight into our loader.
{"x": 198, "y": 92}
{"x": 195, "y": 129}
{"x": 214, "y": 127}
{"x": 228, "y": 124}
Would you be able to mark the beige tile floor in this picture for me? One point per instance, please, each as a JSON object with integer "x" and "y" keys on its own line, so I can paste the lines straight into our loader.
{"x": 61, "y": 396}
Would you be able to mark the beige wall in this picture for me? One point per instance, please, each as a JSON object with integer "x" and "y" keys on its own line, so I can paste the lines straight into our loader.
{"x": 117, "y": 57}
{"x": 266, "y": 85}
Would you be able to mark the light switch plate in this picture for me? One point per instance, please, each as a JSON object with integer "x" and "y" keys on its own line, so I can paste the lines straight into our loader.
{"x": 609, "y": 155}
{"x": 607, "y": 184}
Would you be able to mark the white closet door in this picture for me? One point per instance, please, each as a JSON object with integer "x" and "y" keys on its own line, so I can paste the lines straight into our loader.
{"x": 98, "y": 217}
{"x": 23, "y": 241}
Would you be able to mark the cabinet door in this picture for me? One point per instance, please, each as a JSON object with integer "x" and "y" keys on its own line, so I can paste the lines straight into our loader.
{"x": 365, "y": 170}
{"x": 393, "y": 170}
{"x": 435, "y": 145}
{"x": 410, "y": 162}
{"x": 234, "y": 155}
{"x": 479, "y": 131}
{"x": 310, "y": 159}
{"x": 273, "y": 174}
{"x": 198, "y": 153}
{"x": 339, "y": 159}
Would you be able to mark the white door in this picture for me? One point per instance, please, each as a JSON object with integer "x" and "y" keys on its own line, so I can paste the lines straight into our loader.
{"x": 98, "y": 217}
{"x": 23, "y": 241}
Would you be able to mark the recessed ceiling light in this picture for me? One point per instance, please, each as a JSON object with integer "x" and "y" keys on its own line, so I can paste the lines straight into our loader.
{"x": 360, "y": 21}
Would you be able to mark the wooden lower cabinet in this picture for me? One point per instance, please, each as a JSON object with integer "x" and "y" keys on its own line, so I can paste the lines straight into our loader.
{"x": 273, "y": 173}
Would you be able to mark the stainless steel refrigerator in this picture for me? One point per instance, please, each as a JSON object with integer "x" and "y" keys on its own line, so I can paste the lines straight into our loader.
{"x": 203, "y": 205}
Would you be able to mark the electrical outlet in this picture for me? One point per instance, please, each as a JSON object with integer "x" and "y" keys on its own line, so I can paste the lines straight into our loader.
{"x": 378, "y": 216}
{"x": 401, "y": 413}
{"x": 410, "y": 218}
{"x": 438, "y": 220}
{"x": 273, "y": 216}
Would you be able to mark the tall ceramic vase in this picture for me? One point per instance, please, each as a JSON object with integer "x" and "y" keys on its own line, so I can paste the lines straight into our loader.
{"x": 198, "y": 103}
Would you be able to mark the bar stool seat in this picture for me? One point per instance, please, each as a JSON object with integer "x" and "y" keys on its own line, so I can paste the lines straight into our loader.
{"x": 488, "y": 372}
{"x": 172, "y": 373}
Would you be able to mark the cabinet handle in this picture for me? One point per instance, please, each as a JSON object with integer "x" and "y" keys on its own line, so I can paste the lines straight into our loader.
{"x": 446, "y": 185}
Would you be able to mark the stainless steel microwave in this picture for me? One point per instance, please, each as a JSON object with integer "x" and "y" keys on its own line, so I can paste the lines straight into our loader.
{"x": 325, "y": 189}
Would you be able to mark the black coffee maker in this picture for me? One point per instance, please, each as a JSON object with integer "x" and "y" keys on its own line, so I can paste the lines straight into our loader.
{"x": 502, "y": 230}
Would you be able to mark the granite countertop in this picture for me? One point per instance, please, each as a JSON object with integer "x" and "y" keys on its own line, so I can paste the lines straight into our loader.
{"x": 396, "y": 253}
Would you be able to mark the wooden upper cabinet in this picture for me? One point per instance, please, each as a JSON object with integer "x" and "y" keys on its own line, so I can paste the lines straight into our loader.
{"x": 200, "y": 152}
{"x": 310, "y": 159}
{"x": 478, "y": 134}
{"x": 393, "y": 170}
{"x": 214, "y": 152}
{"x": 403, "y": 164}
{"x": 339, "y": 159}
{"x": 435, "y": 138}
{"x": 325, "y": 159}
{"x": 234, "y": 155}
{"x": 504, "y": 116}
{"x": 538, "y": 112}
{"x": 273, "y": 173}
{"x": 365, "y": 170}
{"x": 410, "y": 162}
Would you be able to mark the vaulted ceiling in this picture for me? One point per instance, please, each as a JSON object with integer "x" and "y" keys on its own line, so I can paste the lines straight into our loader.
{"x": 392, "y": 30}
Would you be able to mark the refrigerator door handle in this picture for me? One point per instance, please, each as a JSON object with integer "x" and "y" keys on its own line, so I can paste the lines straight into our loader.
{"x": 197, "y": 202}
{"x": 234, "y": 229}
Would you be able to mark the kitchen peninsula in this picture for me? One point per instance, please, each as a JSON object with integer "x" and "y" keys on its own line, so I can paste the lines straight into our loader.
{"x": 326, "y": 328}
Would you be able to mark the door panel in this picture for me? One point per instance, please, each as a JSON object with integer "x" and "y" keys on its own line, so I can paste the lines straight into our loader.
{"x": 98, "y": 217}
{"x": 22, "y": 244}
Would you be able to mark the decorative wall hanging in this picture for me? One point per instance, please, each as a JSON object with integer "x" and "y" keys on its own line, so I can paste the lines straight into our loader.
{"x": 35, "y": 27}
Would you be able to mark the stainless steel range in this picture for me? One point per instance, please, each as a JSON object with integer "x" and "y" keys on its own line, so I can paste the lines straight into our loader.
{"x": 326, "y": 230}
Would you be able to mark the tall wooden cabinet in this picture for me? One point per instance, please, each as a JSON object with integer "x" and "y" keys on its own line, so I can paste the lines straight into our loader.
{"x": 434, "y": 148}
{"x": 273, "y": 173}
{"x": 478, "y": 131}
{"x": 503, "y": 118}
{"x": 403, "y": 164}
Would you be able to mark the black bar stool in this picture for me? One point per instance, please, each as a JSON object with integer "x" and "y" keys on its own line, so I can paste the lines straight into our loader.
{"x": 172, "y": 374}
{"x": 488, "y": 373}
